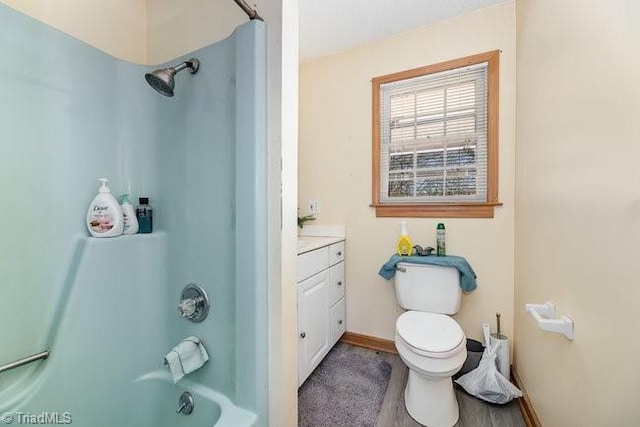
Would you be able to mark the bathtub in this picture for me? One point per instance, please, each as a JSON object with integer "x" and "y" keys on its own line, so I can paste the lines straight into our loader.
{"x": 107, "y": 341}
{"x": 211, "y": 408}
{"x": 149, "y": 401}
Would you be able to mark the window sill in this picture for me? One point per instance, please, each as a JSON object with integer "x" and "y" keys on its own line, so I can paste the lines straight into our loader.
{"x": 436, "y": 210}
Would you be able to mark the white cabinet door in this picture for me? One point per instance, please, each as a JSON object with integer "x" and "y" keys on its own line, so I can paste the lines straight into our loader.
{"x": 313, "y": 323}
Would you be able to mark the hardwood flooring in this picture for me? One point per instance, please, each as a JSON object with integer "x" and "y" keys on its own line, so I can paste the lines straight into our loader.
{"x": 473, "y": 412}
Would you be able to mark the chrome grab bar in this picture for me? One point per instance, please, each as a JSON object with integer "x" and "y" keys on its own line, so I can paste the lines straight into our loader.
{"x": 42, "y": 355}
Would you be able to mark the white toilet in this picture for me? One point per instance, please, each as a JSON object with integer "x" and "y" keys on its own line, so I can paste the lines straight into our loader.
{"x": 431, "y": 344}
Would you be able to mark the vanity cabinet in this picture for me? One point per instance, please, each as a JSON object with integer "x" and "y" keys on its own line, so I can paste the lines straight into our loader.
{"x": 321, "y": 305}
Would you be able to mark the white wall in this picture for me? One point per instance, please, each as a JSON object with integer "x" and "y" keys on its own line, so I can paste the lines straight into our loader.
{"x": 282, "y": 19}
{"x": 578, "y": 207}
{"x": 335, "y": 166}
{"x": 117, "y": 27}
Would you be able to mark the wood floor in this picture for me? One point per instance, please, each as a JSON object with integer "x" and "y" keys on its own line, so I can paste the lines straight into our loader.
{"x": 473, "y": 412}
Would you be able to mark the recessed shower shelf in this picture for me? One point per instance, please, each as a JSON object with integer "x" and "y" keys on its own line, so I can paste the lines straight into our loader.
{"x": 545, "y": 316}
{"x": 126, "y": 237}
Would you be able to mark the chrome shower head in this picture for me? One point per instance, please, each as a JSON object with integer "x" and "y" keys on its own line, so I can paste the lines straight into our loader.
{"x": 163, "y": 80}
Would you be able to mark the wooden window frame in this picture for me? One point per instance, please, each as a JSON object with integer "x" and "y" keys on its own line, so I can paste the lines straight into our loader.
{"x": 443, "y": 209}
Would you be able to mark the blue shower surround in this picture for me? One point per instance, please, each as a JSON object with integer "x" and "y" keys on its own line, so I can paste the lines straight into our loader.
{"x": 70, "y": 114}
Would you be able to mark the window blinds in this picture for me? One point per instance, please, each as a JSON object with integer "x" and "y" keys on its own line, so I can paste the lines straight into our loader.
{"x": 433, "y": 131}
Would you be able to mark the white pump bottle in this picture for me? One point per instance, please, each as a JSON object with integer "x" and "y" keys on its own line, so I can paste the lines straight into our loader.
{"x": 104, "y": 217}
{"x": 129, "y": 215}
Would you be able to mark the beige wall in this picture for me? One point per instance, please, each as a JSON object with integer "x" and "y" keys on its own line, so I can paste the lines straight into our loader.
{"x": 335, "y": 166}
{"x": 578, "y": 208}
{"x": 176, "y": 27}
{"x": 117, "y": 27}
{"x": 141, "y": 31}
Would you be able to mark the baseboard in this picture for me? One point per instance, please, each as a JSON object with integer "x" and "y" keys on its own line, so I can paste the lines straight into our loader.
{"x": 526, "y": 407}
{"x": 372, "y": 343}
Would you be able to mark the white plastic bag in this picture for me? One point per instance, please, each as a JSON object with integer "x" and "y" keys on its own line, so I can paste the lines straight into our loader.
{"x": 486, "y": 382}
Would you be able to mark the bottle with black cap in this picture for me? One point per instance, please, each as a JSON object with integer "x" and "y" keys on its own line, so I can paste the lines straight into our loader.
{"x": 144, "y": 213}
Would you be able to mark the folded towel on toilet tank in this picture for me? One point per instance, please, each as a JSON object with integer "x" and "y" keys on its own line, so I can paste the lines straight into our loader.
{"x": 467, "y": 275}
{"x": 186, "y": 357}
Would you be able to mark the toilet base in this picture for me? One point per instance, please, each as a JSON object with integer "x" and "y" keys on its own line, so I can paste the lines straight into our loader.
{"x": 431, "y": 401}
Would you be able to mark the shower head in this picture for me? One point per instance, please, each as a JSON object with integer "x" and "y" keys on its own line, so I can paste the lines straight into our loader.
{"x": 162, "y": 80}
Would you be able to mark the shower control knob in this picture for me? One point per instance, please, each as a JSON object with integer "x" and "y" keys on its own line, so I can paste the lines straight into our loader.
{"x": 187, "y": 307}
{"x": 194, "y": 303}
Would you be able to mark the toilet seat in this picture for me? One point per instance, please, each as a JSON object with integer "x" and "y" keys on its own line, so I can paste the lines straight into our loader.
{"x": 431, "y": 334}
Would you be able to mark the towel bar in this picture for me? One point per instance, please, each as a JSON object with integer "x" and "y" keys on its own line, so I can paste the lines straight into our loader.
{"x": 42, "y": 355}
{"x": 545, "y": 316}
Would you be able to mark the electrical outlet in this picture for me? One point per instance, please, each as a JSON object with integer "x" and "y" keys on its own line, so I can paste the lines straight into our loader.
{"x": 313, "y": 207}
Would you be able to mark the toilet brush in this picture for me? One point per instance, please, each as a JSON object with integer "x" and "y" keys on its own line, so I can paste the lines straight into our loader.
{"x": 502, "y": 355}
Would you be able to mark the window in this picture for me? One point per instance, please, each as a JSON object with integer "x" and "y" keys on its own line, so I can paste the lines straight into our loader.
{"x": 435, "y": 140}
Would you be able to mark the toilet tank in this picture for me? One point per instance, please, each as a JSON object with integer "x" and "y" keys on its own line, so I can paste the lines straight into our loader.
{"x": 429, "y": 288}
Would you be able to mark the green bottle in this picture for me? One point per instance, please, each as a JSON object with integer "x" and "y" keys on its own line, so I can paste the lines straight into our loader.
{"x": 440, "y": 245}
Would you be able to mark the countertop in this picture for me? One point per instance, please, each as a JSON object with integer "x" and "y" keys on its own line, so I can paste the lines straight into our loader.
{"x": 310, "y": 243}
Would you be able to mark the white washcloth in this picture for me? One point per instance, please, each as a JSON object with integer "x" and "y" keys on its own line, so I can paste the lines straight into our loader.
{"x": 186, "y": 357}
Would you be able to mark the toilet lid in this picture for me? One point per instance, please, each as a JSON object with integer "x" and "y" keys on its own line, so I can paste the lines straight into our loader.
{"x": 429, "y": 332}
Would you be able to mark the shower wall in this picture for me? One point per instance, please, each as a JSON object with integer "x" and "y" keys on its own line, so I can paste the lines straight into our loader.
{"x": 212, "y": 198}
{"x": 71, "y": 114}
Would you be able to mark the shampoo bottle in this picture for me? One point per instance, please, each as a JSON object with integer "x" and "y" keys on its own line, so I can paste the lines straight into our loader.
{"x": 405, "y": 248}
{"x": 104, "y": 217}
{"x": 128, "y": 215}
{"x": 144, "y": 213}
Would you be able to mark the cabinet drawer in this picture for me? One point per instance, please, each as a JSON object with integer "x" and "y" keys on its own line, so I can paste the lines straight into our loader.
{"x": 336, "y": 253}
{"x": 312, "y": 262}
{"x": 336, "y": 283}
{"x": 338, "y": 321}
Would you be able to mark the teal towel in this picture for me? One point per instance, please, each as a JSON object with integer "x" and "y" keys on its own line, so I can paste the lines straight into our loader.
{"x": 467, "y": 275}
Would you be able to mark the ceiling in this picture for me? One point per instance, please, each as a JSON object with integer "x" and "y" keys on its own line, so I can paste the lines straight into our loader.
{"x": 331, "y": 26}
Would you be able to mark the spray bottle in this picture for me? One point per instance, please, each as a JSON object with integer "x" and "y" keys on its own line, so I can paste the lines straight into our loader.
{"x": 440, "y": 240}
{"x": 405, "y": 247}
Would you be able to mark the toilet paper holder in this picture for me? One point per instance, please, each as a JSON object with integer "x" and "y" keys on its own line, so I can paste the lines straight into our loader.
{"x": 545, "y": 316}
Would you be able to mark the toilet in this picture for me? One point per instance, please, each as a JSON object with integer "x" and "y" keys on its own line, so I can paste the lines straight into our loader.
{"x": 429, "y": 341}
